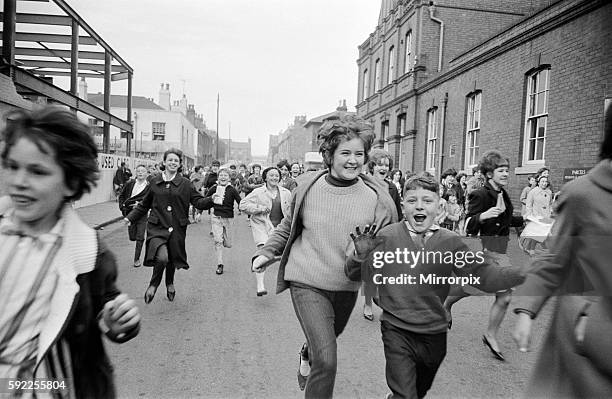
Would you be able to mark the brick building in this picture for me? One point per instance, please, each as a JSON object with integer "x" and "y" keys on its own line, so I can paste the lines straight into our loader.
{"x": 293, "y": 142}
{"x": 443, "y": 83}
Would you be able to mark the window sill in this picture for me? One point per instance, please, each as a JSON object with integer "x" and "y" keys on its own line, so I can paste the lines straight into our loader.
{"x": 528, "y": 169}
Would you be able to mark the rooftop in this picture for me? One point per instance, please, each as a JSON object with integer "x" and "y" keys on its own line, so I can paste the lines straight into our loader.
{"x": 118, "y": 101}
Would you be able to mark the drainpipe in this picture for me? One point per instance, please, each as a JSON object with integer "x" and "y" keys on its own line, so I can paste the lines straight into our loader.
{"x": 432, "y": 9}
{"x": 442, "y": 131}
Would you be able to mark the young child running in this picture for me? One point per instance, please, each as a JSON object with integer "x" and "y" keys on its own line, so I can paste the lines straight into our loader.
{"x": 412, "y": 264}
{"x": 223, "y": 195}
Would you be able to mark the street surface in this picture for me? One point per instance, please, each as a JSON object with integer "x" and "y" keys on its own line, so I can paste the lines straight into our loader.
{"x": 219, "y": 340}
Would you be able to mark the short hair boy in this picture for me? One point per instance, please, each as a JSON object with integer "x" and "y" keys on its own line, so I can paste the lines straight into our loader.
{"x": 411, "y": 263}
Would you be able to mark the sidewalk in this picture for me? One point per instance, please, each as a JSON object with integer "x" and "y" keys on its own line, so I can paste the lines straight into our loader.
{"x": 100, "y": 215}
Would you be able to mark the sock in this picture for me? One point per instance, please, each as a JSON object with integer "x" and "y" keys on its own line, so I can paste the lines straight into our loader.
{"x": 304, "y": 367}
{"x": 260, "y": 281}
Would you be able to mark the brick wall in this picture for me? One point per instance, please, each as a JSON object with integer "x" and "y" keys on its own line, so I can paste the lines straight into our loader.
{"x": 579, "y": 75}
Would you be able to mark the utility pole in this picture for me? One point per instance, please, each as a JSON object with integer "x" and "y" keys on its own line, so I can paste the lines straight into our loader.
{"x": 229, "y": 143}
{"x": 217, "y": 151}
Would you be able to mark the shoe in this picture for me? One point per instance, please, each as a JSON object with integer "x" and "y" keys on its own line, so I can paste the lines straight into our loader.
{"x": 302, "y": 379}
{"x": 497, "y": 354}
{"x": 450, "y": 319}
{"x": 368, "y": 315}
{"x": 149, "y": 294}
{"x": 219, "y": 269}
{"x": 170, "y": 292}
{"x": 262, "y": 293}
{"x": 137, "y": 263}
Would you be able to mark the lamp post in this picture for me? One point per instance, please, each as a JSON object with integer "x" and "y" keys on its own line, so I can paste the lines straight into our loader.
{"x": 217, "y": 150}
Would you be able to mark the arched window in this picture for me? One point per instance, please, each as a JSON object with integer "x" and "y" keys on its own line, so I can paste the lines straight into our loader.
{"x": 408, "y": 52}
{"x": 366, "y": 85}
{"x": 377, "y": 71}
{"x": 391, "y": 68}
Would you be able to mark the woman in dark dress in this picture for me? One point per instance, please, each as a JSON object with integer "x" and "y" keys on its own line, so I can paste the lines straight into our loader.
{"x": 168, "y": 199}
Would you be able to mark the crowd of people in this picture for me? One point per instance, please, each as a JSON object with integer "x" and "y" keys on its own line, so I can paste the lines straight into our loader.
{"x": 294, "y": 219}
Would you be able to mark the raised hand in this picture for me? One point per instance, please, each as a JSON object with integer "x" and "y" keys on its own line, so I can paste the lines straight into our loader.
{"x": 365, "y": 241}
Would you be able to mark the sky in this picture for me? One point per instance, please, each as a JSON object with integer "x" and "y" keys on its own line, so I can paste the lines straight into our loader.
{"x": 269, "y": 60}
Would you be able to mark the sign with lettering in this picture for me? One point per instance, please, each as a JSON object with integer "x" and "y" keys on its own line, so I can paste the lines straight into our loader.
{"x": 570, "y": 174}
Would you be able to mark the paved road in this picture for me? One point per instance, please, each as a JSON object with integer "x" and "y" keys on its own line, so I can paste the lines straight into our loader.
{"x": 218, "y": 340}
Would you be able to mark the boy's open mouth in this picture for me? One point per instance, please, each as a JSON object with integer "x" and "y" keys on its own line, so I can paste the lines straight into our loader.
{"x": 419, "y": 218}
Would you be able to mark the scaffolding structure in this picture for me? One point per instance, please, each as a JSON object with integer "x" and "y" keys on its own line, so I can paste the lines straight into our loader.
{"x": 33, "y": 52}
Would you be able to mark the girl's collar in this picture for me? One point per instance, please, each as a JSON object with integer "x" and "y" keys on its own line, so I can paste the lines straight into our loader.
{"x": 165, "y": 176}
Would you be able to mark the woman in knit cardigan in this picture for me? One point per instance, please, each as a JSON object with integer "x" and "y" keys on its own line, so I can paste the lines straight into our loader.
{"x": 314, "y": 253}
{"x": 267, "y": 205}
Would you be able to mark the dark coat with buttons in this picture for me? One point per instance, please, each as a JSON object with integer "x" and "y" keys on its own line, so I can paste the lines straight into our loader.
{"x": 494, "y": 232}
{"x": 169, "y": 203}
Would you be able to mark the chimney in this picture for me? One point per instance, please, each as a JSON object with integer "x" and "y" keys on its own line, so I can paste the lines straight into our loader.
{"x": 191, "y": 114}
{"x": 183, "y": 104}
{"x": 83, "y": 89}
{"x": 342, "y": 106}
{"x": 164, "y": 97}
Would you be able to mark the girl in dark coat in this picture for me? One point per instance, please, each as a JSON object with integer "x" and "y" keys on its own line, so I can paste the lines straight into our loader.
{"x": 490, "y": 215}
{"x": 168, "y": 198}
{"x": 132, "y": 194}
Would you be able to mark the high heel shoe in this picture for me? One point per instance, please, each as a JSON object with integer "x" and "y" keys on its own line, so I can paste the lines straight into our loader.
{"x": 496, "y": 353}
{"x": 149, "y": 294}
{"x": 170, "y": 292}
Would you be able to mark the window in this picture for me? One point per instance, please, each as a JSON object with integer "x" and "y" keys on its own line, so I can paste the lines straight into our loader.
{"x": 472, "y": 130}
{"x": 366, "y": 84}
{"x": 377, "y": 75}
{"x": 159, "y": 131}
{"x": 408, "y": 52}
{"x": 432, "y": 138}
{"x": 537, "y": 116}
{"x": 384, "y": 134}
{"x": 401, "y": 125}
{"x": 391, "y": 69}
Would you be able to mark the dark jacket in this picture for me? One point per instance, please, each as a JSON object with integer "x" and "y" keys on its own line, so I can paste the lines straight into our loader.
{"x": 126, "y": 201}
{"x": 494, "y": 233}
{"x": 225, "y": 210}
{"x": 577, "y": 269}
{"x": 93, "y": 373}
{"x": 396, "y": 199}
{"x": 210, "y": 179}
{"x": 252, "y": 182}
{"x": 169, "y": 204}
{"x": 122, "y": 175}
